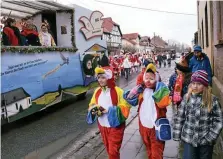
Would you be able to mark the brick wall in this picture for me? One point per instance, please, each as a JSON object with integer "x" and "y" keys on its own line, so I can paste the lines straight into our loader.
{"x": 218, "y": 75}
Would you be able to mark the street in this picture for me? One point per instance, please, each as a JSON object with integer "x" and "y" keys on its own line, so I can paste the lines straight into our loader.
{"x": 50, "y": 130}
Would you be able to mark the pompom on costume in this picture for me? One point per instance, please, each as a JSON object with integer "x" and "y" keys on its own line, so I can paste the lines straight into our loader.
{"x": 112, "y": 123}
{"x": 152, "y": 107}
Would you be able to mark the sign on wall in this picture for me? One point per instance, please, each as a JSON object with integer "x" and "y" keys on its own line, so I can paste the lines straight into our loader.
{"x": 92, "y": 26}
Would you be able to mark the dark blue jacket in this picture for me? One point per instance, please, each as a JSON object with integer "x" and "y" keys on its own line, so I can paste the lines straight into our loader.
{"x": 203, "y": 64}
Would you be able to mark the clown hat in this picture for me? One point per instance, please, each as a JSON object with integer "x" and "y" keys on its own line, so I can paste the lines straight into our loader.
{"x": 107, "y": 73}
{"x": 151, "y": 68}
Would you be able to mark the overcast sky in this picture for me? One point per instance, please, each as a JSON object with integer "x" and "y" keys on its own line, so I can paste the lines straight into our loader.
{"x": 168, "y": 26}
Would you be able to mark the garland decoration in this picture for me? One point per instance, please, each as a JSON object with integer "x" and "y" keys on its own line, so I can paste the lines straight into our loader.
{"x": 33, "y": 49}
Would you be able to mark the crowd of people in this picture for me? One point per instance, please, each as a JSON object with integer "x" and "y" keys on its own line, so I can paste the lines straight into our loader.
{"x": 27, "y": 35}
{"x": 128, "y": 63}
{"x": 197, "y": 118}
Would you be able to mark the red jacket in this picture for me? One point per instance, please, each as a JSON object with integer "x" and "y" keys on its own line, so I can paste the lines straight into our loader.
{"x": 12, "y": 38}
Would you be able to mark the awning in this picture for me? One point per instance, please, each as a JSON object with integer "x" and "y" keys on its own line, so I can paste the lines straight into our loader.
{"x": 22, "y": 8}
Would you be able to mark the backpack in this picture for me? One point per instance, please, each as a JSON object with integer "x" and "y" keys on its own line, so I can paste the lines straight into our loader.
{"x": 163, "y": 129}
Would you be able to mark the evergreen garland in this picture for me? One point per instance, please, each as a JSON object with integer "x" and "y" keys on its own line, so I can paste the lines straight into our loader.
{"x": 36, "y": 49}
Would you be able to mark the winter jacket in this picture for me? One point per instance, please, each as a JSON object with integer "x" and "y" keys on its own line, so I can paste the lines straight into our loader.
{"x": 194, "y": 124}
{"x": 203, "y": 64}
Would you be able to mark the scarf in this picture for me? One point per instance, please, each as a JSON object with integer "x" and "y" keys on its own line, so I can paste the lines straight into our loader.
{"x": 178, "y": 89}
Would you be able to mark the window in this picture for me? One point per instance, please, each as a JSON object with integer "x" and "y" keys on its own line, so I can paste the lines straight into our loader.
{"x": 29, "y": 100}
{"x": 3, "y": 110}
{"x": 16, "y": 105}
{"x": 206, "y": 26}
{"x": 202, "y": 31}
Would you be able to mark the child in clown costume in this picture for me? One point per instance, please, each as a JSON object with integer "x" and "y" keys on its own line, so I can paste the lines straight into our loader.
{"x": 110, "y": 109}
{"x": 152, "y": 97}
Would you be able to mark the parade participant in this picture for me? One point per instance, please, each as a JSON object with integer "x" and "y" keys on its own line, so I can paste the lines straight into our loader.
{"x": 198, "y": 121}
{"x": 115, "y": 66}
{"x": 136, "y": 63}
{"x": 45, "y": 37}
{"x": 153, "y": 98}
{"x": 127, "y": 66}
{"x": 9, "y": 35}
{"x": 30, "y": 33}
{"x": 179, "y": 81}
{"x": 160, "y": 60}
{"x": 140, "y": 76}
{"x": 200, "y": 61}
{"x": 111, "y": 110}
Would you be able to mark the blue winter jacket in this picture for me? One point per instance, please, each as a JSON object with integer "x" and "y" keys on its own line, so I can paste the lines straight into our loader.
{"x": 204, "y": 64}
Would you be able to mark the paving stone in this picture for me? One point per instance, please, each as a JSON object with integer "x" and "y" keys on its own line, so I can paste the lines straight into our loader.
{"x": 133, "y": 146}
{"x": 127, "y": 137}
{"x": 136, "y": 138}
{"x": 137, "y": 133}
{"x": 141, "y": 155}
{"x": 171, "y": 152}
{"x": 130, "y": 131}
{"x": 128, "y": 154}
{"x": 143, "y": 148}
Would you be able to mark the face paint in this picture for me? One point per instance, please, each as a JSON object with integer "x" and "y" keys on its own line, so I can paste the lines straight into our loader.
{"x": 149, "y": 80}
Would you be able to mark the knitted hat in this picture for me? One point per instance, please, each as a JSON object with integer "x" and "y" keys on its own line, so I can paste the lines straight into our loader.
{"x": 183, "y": 66}
{"x": 200, "y": 76}
{"x": 197, "y": 48}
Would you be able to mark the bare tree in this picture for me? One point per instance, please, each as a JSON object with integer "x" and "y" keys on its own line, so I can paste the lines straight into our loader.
{"x": 128, "y": 48}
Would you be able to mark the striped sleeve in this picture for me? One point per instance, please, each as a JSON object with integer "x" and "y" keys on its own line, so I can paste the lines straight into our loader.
{"x": 118, "y": 114}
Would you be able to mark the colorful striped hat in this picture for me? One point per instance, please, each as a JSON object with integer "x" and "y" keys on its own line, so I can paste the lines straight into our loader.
{"x": 200, "y": 76}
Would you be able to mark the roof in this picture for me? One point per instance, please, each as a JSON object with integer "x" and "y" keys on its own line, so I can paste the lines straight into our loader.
{"x": 145, "y": 39}
{"x": 96, "y": 47}
{"x": 131, "y": 36}
{"x": 108, "y": 24}
{"x": 158, "y": 41}
{"x": 14, "y": 96}
{"x": 132, "y": 42}
{"x": 24, "y": 8}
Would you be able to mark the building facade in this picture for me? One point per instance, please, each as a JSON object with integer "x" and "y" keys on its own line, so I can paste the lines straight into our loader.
{"x": 133, "y": 40}
{"x": 113, "y": 35}
{"x": 210, "y": 37}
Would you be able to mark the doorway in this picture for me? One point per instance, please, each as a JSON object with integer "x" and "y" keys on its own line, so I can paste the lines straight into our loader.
{"x": 51, "y": 19}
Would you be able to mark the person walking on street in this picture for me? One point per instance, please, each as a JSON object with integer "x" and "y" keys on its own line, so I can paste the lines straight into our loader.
{"x": 150, "y": 110}
{"x": 179, "y": 82}
{"x": 127, "y": 66}
{"x": 159, "y": 59}
{"x": 198, "y": 121}
{"x": 200, "y": 61}
{"x": 164, "y": 59}
{"x": 108, "y": 107}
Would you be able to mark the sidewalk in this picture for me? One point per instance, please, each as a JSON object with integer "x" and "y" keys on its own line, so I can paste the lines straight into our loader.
{"x": 133, "y": 147}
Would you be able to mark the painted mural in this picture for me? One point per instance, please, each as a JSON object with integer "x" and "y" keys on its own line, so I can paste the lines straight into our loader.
{"x": 31, "y": 82}
{"x": 88, "y": 32}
